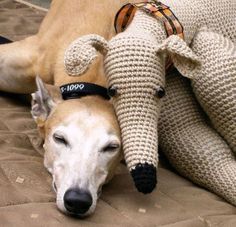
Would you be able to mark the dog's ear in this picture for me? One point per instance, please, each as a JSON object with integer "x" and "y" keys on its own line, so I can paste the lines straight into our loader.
{"x": 184, "y": 59}
{"x": 81, "y": 53}
{"x": 43, "y": 101}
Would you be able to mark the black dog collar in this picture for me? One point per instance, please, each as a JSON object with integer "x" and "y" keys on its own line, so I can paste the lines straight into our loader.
{"x": 78, "y": 90}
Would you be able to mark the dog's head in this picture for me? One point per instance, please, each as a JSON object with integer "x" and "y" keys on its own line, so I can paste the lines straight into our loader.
{"x": 82, "y": 146}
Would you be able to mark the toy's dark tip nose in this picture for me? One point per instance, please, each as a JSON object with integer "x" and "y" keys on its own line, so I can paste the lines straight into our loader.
{"x": 145, "y": 178}
{"x": 77, "y": 201}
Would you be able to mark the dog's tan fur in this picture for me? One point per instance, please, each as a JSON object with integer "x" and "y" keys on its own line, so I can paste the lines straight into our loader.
{"x": 43, "y": 55}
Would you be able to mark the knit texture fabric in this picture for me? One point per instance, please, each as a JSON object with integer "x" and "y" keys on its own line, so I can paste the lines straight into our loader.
{"x": 81, "y": 53}
{"x": 127, "y": 68}
{"x": 191, "y": 145}
{"x": 217, "y": 15}
{"x": 131, "y": 62}
{"x": 133, "y": 67}
{"x": 214, "y": 82}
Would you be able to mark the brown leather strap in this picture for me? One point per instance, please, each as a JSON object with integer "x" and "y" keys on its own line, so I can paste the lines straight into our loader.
{"x": 124, "y": 16}
{"x": 160, "y": 11}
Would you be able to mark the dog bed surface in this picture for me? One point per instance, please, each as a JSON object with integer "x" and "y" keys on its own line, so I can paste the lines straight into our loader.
{"x": 26, "y": 197}
{"x": 38, "y": 4}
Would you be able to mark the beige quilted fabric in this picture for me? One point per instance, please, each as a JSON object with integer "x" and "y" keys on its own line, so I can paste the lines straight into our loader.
{"x": 214, "y": 82}
{"x": 191, "y": 145}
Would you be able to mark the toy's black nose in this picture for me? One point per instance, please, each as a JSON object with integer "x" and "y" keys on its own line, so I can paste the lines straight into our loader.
{"x": 77, "y": 201}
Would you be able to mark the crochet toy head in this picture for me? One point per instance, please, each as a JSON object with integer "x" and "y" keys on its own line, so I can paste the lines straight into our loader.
{"x": 135, "y": 69}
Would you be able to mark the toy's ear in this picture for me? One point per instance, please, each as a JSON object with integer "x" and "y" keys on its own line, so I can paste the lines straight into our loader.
{"x": 184, "y": 59}
{"x": 43, "y": 101}
{"x": 81, "y": 53}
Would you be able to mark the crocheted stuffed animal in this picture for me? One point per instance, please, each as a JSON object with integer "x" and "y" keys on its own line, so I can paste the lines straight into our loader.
{"x": 188, "y": 139}
{"x": 214, "y": 81}
{"x": 135, "y": 67}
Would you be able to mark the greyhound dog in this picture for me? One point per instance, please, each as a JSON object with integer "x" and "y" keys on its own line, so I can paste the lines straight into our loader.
{"x": 81, "y": 136}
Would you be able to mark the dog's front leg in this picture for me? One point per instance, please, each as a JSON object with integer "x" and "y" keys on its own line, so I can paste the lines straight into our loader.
{"x": 18, "y": 65}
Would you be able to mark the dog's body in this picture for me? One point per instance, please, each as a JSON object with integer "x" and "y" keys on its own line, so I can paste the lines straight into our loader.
{"x": 43, "y": 53}
{"x": 82, "y": 137}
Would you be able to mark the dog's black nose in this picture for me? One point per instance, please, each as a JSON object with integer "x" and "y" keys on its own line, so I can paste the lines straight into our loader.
{"x": 77, "y": 201}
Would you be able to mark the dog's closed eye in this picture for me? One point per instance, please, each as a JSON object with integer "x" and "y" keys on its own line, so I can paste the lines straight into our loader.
{"x": 60, "y": 139}
{"x": 111, "y": 147}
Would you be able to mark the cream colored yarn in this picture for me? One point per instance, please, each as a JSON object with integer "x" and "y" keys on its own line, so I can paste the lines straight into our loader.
{"x": 81, "y": 53}
{"x": 135, "y": 64}
{"x": 217, "y": 15}
{"x": 191, "y": 145}
{"x": 133, "y": 67}
{"x": 214, "y": 82}
{"x": 124, "y": 57}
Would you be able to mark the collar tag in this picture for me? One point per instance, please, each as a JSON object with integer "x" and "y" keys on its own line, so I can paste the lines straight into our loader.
{"x": 78, "y": 90}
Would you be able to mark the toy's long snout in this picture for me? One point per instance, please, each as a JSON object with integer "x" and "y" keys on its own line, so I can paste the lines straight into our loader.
{"x": 133, "y": 67}
{"x": 138, "y": 121}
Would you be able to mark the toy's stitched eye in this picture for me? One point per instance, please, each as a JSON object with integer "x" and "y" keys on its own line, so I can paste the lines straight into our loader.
{"x": 111, "y": 147}
{"x": 112, "y": 91}
{"x": 60, "y": 139}
{"x": 160, "y": 92}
